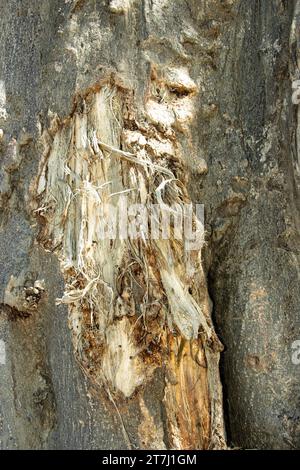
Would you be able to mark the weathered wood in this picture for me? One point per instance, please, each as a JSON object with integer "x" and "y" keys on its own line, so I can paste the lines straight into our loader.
{"x": 186, "y": 100}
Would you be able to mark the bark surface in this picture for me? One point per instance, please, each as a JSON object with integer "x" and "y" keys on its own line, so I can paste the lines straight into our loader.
{"x": 115, "y": 345}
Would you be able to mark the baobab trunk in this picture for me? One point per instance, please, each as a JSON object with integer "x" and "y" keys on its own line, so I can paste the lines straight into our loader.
{"x": 115, "y": 342}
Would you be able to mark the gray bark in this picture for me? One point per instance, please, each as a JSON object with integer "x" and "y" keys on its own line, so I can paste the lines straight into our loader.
{"x": 242, "y": 161}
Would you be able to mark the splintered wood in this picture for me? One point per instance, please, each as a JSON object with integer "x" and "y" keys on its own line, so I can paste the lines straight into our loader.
{"x": 134, "y": 304}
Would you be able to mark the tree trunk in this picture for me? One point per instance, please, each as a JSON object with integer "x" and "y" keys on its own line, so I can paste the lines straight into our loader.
{"x": 115, "y": 342}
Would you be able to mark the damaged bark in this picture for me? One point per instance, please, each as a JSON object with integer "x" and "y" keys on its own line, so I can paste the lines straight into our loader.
{"x": 128, "y": 297}
{"x": 112, "y": 343}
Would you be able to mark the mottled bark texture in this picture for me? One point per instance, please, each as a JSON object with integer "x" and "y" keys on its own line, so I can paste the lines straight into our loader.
{"x": 114, "y": 345}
